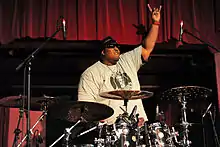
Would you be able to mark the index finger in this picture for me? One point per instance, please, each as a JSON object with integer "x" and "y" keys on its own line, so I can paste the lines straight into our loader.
{"x": 149, "y": 7}
{"x": 160, "y": 8}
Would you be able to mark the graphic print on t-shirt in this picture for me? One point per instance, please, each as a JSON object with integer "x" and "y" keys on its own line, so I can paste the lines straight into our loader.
{"x": 120, "y": 81}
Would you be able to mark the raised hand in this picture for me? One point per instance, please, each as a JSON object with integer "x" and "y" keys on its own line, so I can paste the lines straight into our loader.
{"x": 155, "y": 13}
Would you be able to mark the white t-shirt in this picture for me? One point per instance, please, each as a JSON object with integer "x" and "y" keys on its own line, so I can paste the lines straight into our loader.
{"x": 100, "y": 78}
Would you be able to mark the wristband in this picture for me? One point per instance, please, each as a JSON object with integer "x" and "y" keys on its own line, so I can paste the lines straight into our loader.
{"x": 156, "y": 23}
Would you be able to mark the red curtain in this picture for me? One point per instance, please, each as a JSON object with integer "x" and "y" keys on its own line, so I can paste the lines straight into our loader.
{"x": 96, "y": 19}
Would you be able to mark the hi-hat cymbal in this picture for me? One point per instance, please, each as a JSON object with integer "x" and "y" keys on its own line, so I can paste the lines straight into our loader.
{"x": 36, "y": 103}
{"x": 73, "y": 111}
{"x": 126, "y": 94}
{"x": 188, "y": 92}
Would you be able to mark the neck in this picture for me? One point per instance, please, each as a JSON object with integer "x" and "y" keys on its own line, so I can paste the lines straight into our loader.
{"x": 109, "y": 63}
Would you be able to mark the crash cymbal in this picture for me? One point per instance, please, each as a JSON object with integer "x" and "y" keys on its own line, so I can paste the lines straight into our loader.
{"x": 189, "y": 92}
{"x": 36, "y": 103}
{"x": 72, "y": 111}
{"x": 126, "y": 94}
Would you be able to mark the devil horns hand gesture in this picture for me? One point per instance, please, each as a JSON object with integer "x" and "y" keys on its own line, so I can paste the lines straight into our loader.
{"x": 155, "y": 13}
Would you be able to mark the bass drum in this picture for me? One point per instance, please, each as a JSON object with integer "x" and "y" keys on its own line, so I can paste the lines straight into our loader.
{"x": 158, "y": 135}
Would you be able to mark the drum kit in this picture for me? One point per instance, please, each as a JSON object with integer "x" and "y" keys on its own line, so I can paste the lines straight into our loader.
{"x": 125, "y": 132}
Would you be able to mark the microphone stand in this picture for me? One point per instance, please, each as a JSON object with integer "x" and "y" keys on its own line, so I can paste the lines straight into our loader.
{"x": 27, "y": 78}
{"x": 206, "y": 43}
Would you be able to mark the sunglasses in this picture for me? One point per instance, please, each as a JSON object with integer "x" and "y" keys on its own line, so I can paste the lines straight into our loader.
{"x": 111, "y": 45}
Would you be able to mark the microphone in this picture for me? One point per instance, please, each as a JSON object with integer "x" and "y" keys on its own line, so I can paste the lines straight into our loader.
{"x": 207, "y": 110}
{"x": 181, "y": 31}
{"x": 64, "y": 28}
{"x": 157, "y": 112}
{"x": 133, "y": 113}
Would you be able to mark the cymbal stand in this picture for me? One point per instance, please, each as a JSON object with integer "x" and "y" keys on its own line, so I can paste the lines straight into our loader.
{"x": 185, "y": 142}
{"x": 126, "y": 104}
{"x": 214, "y": 130}
{"x": 44, "y": 113}
{"x": 67, "y": 133}
{"x": 17, "y": 131}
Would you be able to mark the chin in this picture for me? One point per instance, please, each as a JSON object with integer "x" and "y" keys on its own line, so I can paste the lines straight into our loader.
{"x": 116, "y": 59}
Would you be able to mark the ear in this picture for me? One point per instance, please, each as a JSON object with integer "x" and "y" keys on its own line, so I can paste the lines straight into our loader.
{"x": 103, "y": 52}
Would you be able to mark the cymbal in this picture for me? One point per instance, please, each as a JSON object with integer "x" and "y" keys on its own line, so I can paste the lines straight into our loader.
{"x": 72, "y": 111}
{"x": 126, "y": 94}
{"x": 36, "y": 103}
{"x": 189, "y": 92}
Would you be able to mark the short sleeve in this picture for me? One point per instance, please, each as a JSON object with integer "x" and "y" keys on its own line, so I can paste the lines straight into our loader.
{"x": 133, "y": 57}
{"x": 88, "y": 89}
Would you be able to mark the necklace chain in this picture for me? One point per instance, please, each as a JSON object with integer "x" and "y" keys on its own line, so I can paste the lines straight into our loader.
{"x": 112, "y": 69}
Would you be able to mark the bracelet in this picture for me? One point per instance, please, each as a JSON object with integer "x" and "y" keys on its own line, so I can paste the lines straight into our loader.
{"x": 156, "y": 23}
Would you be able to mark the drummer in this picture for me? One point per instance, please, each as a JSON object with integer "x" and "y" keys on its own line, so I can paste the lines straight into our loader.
{"x": 115, "y": 71}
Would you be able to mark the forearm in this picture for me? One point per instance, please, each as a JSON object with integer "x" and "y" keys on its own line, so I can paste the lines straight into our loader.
{"x": 151, "y": 38}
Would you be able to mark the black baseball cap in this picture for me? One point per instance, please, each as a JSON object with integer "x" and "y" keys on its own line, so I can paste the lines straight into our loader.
{"x": 108, "y": 42}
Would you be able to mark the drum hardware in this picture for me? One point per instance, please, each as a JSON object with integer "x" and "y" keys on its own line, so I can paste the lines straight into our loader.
{"x": 185, "y": 142}
{"x": 66, "y": 137}
{"x": 99, "y": 126}
{"x": 124, "y": 135}
{"x": 182, "y": 95}
{"x": 37, "y": 104}
{"x": 100, "y": 142}
{"x": 44, "y": 113}
{"x": 66, "y": 134}
{"x": 214, "y": 130}
{"x": 160, "y": 115}
{"x": 174, "y": 134}
{"x": 147, "y": 136}
{"x": 216, "y": 139}
{"x": 203, "y": 129}
{"x": 43, "y": 103}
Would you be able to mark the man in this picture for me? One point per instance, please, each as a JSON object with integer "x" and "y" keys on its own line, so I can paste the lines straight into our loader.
{"x": 118, "y": 72}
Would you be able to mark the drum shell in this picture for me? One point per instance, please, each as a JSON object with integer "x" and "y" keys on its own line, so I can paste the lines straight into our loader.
{"x": 156, "y": 134}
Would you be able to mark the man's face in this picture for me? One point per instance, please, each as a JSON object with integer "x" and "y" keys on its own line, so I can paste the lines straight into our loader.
{"x": 112, "y": 54}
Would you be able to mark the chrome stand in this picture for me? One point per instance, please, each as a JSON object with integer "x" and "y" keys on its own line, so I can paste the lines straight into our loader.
{"x": 214, "y": 130}
{"x": 185, "y": 142}
{"x": 31, "y": 130}
{"x": 66, "y": 134}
